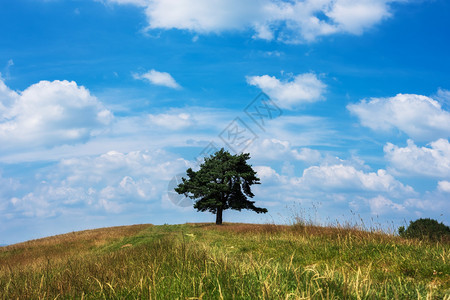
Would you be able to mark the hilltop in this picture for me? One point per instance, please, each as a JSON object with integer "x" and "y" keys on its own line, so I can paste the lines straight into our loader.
{"x": 233, "y": 261}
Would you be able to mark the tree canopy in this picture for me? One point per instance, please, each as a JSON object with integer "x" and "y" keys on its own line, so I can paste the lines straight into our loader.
{"x": 222, "y": 182}
{"x": 426, "y": 228}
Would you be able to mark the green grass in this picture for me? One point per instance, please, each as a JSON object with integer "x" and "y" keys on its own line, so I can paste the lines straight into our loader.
{"x": 233, "y": 261}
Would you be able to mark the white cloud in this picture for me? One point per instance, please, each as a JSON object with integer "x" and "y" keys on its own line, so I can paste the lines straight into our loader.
{"x": 382, "y": 205}
{"x": 307, "y": 154}
{"x": 8, "y": 186}
{"x": 344, "y": 178}
{"x": 288, "y": 21}
{"x": 132, "y": 2}
{"x": 49, "y": 114}
{"x": 274, "y": 149}
{"x": 424, "y": 161}
{"x": 158, "y": 78}
{"x": 444, "y": 186}
{"x": 338, "y": 178}
{"x": 302, "y": 130}
{"x": 336, "y": 186}
{"x": 47, "y": 201}
{"x": 202, "y": 16}
{"x": 266, "y": 173}
{"x": 356, "y": 16}
{"x": 31, "y": 206}
{"x": 420, "y": 117}
{"x": 172, "y": 121}
{"x": 303, "y": 88}
{"x": 339, "y": 185}
{"x": 144, "y": 131}
{"x": 112, "y": 166}
{"x": 443, "y": 96}
{"x": 7, "y": 98}
{"x": 109, "y": 183}
{"x": 435, "y": 202}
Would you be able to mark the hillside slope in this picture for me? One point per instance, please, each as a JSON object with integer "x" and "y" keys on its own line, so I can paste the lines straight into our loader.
{"x": 233, "y": 261}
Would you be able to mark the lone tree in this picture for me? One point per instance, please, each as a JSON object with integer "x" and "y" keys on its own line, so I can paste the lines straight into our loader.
{"x": 223, "y": 182}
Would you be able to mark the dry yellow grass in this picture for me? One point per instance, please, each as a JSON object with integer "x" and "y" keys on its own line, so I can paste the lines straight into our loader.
{"x": 233, "y": 261}
{"x": 36, "y": 252}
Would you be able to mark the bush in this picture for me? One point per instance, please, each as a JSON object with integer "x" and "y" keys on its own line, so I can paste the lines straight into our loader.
{"x": 426, "y": 229}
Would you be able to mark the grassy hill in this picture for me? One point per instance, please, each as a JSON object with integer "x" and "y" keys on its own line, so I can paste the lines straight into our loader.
{"x": 233, "y": 261}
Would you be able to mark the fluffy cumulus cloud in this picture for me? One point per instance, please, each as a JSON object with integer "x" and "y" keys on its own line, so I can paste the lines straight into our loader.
{"x": 376, "y": 192}
{"x": 39, "y": 204}
{"x": 444, "y": 186}
{"x": 420, "y": 117}
{"x": 381, "y": 205}
{"x": 113, "y": 182}
{"x": 158, "y": 78}
{"x": 303, "y": 88}
{"x": 7, "y": 98}
{"x": 288, "y": 21}
{"x": 346, "y": 178}
{"x": 49, "y": 114}
{"x": 431, "y": 161}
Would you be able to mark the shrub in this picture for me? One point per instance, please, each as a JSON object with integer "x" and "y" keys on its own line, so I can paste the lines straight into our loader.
{"x": 426, "y": 229}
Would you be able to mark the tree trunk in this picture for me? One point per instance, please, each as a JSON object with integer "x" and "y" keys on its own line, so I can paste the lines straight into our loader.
{"x": 219, "y": 216}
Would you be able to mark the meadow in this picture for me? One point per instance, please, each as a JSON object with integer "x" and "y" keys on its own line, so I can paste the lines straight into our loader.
{"x": 232, "y": 261}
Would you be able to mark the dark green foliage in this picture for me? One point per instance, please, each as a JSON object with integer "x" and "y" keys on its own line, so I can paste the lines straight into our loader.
{"x": 401, "y": 231}
{"x": 223, "y": 182}
{"x": 426, "y": 229}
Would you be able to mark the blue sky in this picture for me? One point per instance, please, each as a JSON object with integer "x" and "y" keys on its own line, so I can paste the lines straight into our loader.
{"x": 102, "y": 103}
